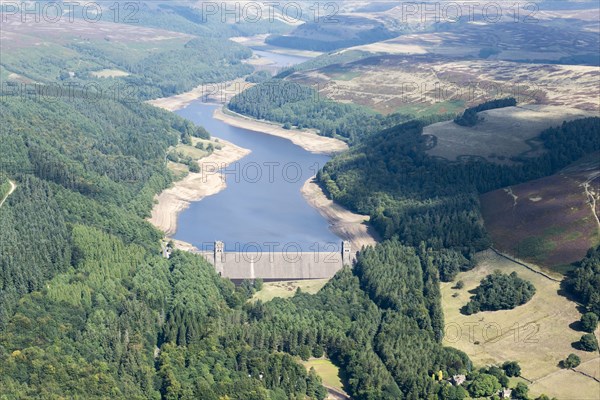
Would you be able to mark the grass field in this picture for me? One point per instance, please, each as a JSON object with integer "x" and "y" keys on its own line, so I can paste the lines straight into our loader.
{"x": 286, "y": 289}
{"x": 537, "y": 334}
{"x": 18, "y": 34}
{"x": 387, "y": 82}
{"x": 326, "y": 370}
{"x": 440, "y": 108}
{"x": 109, "y": 73}
{"x": 192, "y": 151}
{"x": 502, "y": 133}
{"x": 180, "y": 169}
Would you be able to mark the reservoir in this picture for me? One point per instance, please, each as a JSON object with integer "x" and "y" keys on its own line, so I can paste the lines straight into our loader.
{"x": 262, "y": 205}
{"x": 281, "y": 60}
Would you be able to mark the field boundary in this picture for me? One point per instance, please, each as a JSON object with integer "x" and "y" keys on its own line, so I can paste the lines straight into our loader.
{"x": 525, "y": 265}
{"x": 586, "y": 374}
{"x": 532, "y": 382}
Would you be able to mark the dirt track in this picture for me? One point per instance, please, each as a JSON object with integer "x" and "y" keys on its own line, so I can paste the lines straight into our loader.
{"x": 12, "y": 189}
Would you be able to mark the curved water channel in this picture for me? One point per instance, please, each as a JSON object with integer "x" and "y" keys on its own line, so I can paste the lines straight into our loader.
{"x": 262, "y": 206}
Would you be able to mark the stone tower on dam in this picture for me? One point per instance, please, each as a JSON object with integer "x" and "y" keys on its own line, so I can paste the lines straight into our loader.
{"x": 277, "y": 265}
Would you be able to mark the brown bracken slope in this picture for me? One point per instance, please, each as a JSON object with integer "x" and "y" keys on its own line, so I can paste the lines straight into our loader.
{"x": 550, "y": 221}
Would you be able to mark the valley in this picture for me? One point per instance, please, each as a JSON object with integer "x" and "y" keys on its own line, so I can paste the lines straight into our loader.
{"x": 430, "y": 168}
{"x": 195, "y": 187}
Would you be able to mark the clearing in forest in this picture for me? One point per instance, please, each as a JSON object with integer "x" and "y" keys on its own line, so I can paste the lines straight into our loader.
{"x": 285, "y": 289}
{"x": 109, "y": 73}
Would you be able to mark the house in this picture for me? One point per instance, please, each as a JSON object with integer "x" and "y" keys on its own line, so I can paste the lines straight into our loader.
{"x": 505, "y": 393}
{"x": 458, "y": 380}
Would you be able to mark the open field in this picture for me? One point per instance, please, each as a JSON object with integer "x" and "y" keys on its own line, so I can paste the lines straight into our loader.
{"x": 503, "y": 133}
{"x": 109, "y": 73}
{"x": 591, "y": 367}
{"x": 536, "y": 334}
{"x": 40, "y": 51}
{"x": 193, "y": 151}
{"x": 17, "y": 34}
{"x": 179, "y": 170}
{"x": 567, "y": 385}
{"x": 330, "y": 375}
{"x": 285, "y": 289}
{"x": 550, "y": 221}
{"x": 551, "y": 62}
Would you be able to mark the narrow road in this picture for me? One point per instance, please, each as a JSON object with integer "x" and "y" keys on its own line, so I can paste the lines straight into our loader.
{"x": 12, "y": 189}
{"x": 336, "y": 394}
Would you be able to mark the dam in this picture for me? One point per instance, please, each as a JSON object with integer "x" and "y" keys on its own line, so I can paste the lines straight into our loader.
{"x": 277, "y": 266}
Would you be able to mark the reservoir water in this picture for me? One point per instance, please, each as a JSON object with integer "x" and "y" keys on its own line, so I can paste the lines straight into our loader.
{"x": 262, "y": 205}
{"x": 280, "y": 60}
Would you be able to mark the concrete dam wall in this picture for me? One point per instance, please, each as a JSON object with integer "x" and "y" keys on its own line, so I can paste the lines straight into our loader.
{"x": 277, "y": 266}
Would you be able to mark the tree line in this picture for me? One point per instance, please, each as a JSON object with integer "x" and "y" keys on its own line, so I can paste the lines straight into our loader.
{"x": 300, "y": 106}
{"x": 469, "y": 116}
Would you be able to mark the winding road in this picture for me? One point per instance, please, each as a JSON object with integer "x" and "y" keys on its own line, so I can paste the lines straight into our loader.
{"x": 12, "y": 189}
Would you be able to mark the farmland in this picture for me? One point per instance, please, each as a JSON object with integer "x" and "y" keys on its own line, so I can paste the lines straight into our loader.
{"x": 537, "y": 334}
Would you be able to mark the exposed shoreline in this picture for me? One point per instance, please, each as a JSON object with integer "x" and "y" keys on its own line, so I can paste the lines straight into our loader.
{"x": 342, "y": 222}
{"x": 308, "y": 141}
{"x": 213, "y": 93}
{"x": 194, "y": 187}
{"x": 178, "y": 101}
